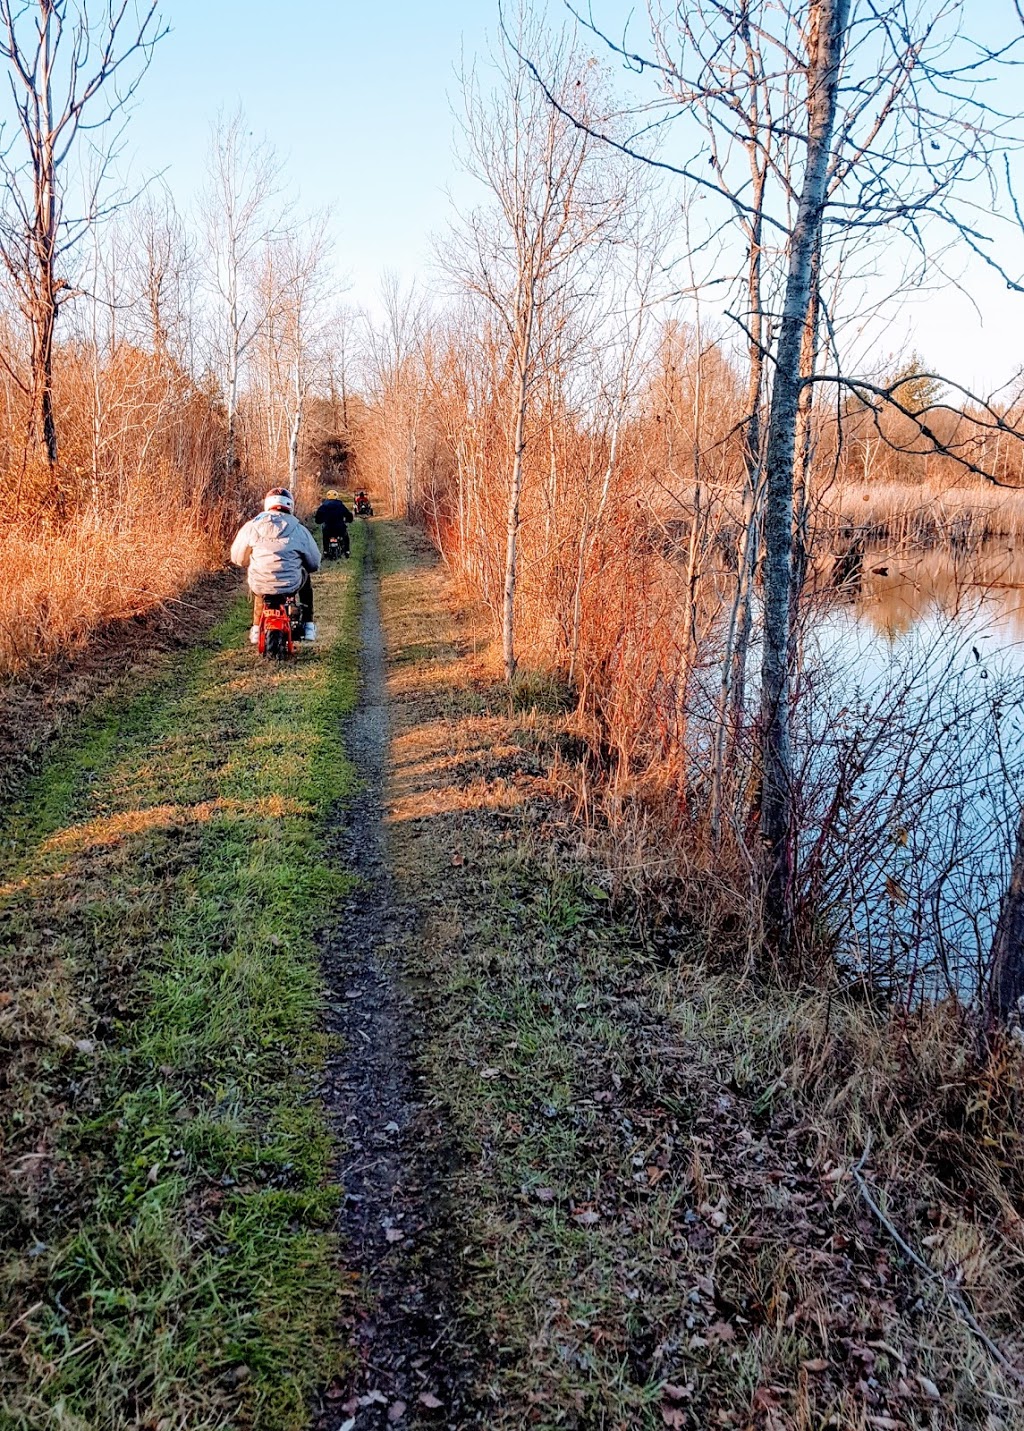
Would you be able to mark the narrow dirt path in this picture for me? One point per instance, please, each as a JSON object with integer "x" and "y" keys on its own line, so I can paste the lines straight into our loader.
{"x": 393, "y": 1220}
{"x": 647, "y": 1222}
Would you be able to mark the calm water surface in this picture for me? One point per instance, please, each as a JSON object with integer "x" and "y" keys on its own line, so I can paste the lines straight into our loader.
{"x": 912, "y": 706}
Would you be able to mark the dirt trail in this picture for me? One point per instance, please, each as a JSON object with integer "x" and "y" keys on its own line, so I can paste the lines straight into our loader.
{"x": 592, "y": 1180}
{"x": 393, "y": 1219}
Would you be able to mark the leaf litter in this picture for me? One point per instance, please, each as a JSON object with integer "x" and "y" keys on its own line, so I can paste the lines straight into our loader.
{"x": 644, "y": 1238}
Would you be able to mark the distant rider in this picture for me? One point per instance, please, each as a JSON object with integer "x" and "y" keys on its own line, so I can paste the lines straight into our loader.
{"x": 280, "y": 554}
{"x": 363, "y": 508}
{"x": 334, "y": 517}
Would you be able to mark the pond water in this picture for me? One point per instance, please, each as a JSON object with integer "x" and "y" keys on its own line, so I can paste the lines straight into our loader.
{"x": 911, "y": 749}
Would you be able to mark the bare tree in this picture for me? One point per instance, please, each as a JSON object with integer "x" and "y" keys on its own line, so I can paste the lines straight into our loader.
{"x": 524, "y": 255}
{"x": 392, "y": 353}
{"x": 339, "y": 363}
{"x": 630, "y": 295}
{"x": 827, "y": 23}
{"x": 63, "y": 59}
{"x": 304, "y": 318}
{"x": 240, "y": 216}
{"x": 161, "y": 257}
{"x": 814, "y": 122}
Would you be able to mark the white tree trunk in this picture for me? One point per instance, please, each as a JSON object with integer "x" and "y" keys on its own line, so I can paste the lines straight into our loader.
{"x": 293, "y": 441}
{"x": 528, "y": 314}
{"x": 515, "y": 489}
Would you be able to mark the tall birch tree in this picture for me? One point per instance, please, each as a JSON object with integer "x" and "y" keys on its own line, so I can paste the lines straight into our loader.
{"x": 241, "y": 216}
{"x": 817, "y": 124}
{"x": 827, "y": 26}
{"x": 523, "y": 256}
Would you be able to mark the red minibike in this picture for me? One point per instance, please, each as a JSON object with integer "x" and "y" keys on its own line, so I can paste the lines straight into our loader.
{"x": 280, "y": 626}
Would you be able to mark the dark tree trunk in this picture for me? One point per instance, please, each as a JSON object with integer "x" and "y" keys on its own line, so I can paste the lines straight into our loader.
{"x": 828, "y": 21}
{"x": 44, "y": 382}
{"x": 1006, "y": 959}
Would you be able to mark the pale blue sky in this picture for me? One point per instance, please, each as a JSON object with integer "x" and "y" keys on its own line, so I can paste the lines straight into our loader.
{"x": 356, "y": 94}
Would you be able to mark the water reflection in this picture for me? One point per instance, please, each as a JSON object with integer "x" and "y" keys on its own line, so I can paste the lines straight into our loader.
{"x": 911, "y": 740}
{"x": 896, "y": 590}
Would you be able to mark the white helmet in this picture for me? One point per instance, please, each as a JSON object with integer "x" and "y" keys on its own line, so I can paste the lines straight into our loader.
{"x": 279, "y": 499}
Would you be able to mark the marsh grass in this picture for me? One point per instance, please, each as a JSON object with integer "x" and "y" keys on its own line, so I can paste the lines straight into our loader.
{"x": 928, "y": 511}
{"x": 65, "y": 584}
{"x": 165, "y": 1201}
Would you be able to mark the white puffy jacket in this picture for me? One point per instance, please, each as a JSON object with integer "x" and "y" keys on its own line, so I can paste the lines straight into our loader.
{"x": 278, "y": 550}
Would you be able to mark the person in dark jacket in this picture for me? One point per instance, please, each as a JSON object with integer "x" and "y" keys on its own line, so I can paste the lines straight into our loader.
{"x": 333, "y": 516}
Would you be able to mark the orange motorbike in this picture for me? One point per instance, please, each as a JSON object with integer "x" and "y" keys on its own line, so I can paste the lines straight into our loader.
{"x": 280, "y": 626}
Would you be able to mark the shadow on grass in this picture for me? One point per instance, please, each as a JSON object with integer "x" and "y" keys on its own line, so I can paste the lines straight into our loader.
{"x": 165, "y": 1197}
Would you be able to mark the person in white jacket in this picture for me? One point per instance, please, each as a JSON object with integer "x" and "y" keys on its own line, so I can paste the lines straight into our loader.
{"x": 280, "y": 554}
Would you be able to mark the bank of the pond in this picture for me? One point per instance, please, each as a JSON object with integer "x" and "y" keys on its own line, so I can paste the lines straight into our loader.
{"x": 657, "y": 1162}
{"x": 165, "y": 1196}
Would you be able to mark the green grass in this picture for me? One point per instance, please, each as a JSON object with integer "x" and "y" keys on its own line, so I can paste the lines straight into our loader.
{"x": 166, "y": 1196}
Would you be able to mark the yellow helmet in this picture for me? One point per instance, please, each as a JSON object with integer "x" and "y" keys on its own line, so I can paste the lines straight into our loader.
{"x": 332, "y": 493}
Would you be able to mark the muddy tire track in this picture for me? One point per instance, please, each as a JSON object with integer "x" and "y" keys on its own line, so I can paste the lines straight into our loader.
{"x": 395, "y": 1223}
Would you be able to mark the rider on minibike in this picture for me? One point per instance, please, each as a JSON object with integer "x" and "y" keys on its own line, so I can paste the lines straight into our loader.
{"x": 333, "y": 516}
{"x": 280, "y": 554}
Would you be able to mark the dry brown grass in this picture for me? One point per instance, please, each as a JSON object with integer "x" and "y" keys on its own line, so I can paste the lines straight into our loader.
{"x": 965, "y": 513}
{"x": 138, "y": 505}
{"x": 62, "y": 585}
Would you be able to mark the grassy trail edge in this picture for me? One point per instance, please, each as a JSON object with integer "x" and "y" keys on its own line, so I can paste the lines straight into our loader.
{"x": 173, "y": 1266}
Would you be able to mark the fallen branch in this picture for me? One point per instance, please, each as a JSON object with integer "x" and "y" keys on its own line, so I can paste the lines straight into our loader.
{"x": 952, "y": 1292}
